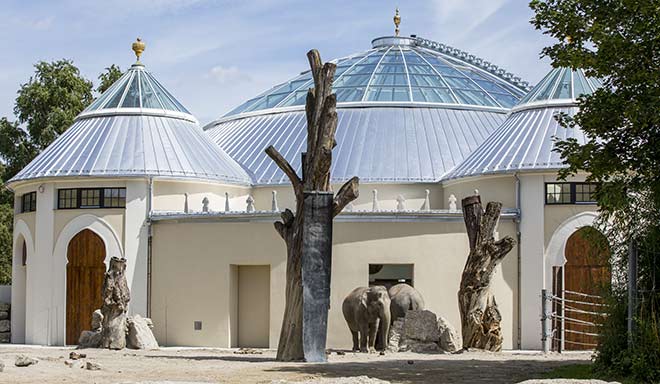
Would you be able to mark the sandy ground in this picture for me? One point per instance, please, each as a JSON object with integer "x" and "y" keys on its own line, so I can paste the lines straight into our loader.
{"x": 185, "y": 365}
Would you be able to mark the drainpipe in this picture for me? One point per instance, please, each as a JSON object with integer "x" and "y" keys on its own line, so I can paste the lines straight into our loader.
{"x": 519, "y": 256}
{"x": 150, "y": 193}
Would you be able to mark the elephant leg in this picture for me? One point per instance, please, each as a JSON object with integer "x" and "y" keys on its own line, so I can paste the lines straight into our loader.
{"x": 373, "y": 330}
{"x": 356, "y": 340}
{"x": 364, "y": 331}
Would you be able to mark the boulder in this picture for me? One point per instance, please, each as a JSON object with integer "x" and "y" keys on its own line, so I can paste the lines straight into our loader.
{"x": 92, "y": 366}
{"x": 421, "y": 326}
{"x": 90, "y": 339}
{"x": 25, "y": 361}
{"x": 421, "y": 346}
{"x": 97, "y": 320}
{"x": 450, "y": 340}
{"x": 139, "y": 334}
{"x": 4, "y": 307}
{"x": 5, "y": 337}
{"x": 5, "y": 325}
{"x": 4, "y": 315}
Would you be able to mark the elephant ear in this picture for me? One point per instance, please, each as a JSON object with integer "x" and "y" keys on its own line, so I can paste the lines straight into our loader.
{"x": 363, "y": 299}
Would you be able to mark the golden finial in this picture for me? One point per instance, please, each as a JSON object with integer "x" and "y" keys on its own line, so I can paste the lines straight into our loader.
{"x": 397, "y": 21}
{"x": 138, "y": 48}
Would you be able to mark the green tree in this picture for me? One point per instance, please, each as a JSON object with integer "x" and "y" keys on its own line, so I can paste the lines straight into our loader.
{"x": 48, "y": 103}
{"x": 617, "y": 41}
{"x": 45, "y": 107}
{"x": 107, "y": 78}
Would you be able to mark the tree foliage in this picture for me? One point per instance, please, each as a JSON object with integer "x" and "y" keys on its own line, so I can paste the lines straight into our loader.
{"x": 617, "y": 41}
{"x": 45, "y": 107}
{"x": 107, "y": 78}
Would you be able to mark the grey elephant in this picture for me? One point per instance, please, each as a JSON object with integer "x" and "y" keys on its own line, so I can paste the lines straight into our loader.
{"x": 404, "y": 298}
{"x": 365, "y": 309}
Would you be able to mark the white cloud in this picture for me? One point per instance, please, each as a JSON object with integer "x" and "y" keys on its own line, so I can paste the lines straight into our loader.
{"x": 228, "y": 75}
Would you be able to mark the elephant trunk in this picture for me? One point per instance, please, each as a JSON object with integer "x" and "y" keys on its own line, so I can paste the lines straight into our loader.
{"x": 385, "y": 319}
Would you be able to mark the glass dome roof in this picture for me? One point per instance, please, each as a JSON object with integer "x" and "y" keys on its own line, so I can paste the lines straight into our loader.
{"x": 404, "y": 70}
{"x": 562, "y": 84}
{"x": 137, "y": 88}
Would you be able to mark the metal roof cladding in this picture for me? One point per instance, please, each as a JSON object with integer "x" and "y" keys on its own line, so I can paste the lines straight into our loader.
{"x": 526, "y": 140}
{"x": 135, "y": 129}
{"x": 409, "y": 110}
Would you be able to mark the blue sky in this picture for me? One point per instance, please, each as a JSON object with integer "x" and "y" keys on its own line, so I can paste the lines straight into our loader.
{"x": 212, "y": 55}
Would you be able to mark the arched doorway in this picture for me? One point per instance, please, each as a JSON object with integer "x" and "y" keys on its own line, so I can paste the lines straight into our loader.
{"x": 583, "y": 277}
{"x": 84, "y": 282}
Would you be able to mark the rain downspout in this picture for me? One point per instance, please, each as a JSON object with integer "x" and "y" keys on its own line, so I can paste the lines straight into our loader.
{"x": 519, "y": 256}
{"x": 150, "y": 193}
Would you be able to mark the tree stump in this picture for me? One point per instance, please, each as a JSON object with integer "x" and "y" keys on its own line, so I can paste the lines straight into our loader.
{"x": 480, "y": 318}
{"x": 321, "y": 114}
{"x": 115, "y": 304}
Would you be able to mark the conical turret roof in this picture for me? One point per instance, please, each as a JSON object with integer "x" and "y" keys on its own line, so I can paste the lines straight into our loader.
{"x": 526, "y": 139}
{"x": 135, "y": 129}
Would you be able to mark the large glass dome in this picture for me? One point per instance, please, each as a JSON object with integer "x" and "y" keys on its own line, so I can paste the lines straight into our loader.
{"x": 409, "y": 110}
{"x": 404, "y": 70}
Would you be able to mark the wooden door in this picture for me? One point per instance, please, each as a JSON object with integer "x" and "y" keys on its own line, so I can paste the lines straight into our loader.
{"x": 586, "y": 275}
{"x": 84, "y": 282}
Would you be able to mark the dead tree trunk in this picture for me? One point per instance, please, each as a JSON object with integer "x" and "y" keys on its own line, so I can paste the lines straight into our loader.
{"x": 480, "y": 318}
{"x": 321, "y": 126}
{"x": 115, "y": 303}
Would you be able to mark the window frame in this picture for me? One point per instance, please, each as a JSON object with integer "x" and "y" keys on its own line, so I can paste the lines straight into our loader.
{"x": 572, "y": 193}
{"x": 121, "y": 197}
{"x": 32, "y": 207}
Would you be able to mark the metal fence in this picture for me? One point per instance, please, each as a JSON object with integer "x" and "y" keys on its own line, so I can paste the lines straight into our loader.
{"x": 565, "y": 311}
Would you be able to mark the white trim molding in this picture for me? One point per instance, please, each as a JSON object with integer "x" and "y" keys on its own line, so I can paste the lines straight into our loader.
{"x": 19, "y": 280}
{"x": 555, "y": 252}
{"x": 113, "y": 247}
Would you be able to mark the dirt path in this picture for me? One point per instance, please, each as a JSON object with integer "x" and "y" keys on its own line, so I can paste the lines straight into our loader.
{"x": 181, "y": 365}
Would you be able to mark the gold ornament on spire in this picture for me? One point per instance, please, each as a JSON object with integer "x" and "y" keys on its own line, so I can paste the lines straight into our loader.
{"x": 138, "y": 48}
{"x": 397, "y": 21}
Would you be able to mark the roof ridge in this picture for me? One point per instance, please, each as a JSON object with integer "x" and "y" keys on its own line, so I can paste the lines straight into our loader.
{"x": 474, "y": 60}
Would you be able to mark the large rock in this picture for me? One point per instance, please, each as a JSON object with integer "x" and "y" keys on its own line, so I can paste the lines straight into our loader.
{"x": 421, "y": 326}
{"x": 140, "y": 335}
{"x": 90, "y": 339}
{"x": 4, "y": 315}
{"x": 450, "y": 340}
{"x": 4, "y": 307}
{"x": 24, "y": 361}
{"x": 97, "y": 320}
{"x": 5, "y": 325}
{"x": 5, "y": 337}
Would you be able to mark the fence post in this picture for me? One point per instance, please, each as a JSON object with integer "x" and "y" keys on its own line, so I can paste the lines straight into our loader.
{"x": 632, "y": 290}
{"x": 545, "y": 321}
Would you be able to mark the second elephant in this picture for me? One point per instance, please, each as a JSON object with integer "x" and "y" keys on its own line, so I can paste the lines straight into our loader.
{"x": 404, "y": 298}
{"x": 365, "y": 308}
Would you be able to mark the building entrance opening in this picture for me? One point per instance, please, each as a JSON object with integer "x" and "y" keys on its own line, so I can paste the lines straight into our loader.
{"x": 580, "y": 285}
{"x": 84, "y": 282}
{"x": 388, "y": 275}
{"x": 253, "y": 305}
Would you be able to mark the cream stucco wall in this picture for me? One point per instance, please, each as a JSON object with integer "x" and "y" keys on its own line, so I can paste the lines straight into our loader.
{"x": 500, "y": 188}
{"x": 414, "y": 195}
{"x": 169, "y": 195}
{"x": 192, "y": 279}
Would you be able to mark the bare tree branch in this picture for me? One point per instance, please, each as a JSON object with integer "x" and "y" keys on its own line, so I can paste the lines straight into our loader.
{"x": 347, "y": 193}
